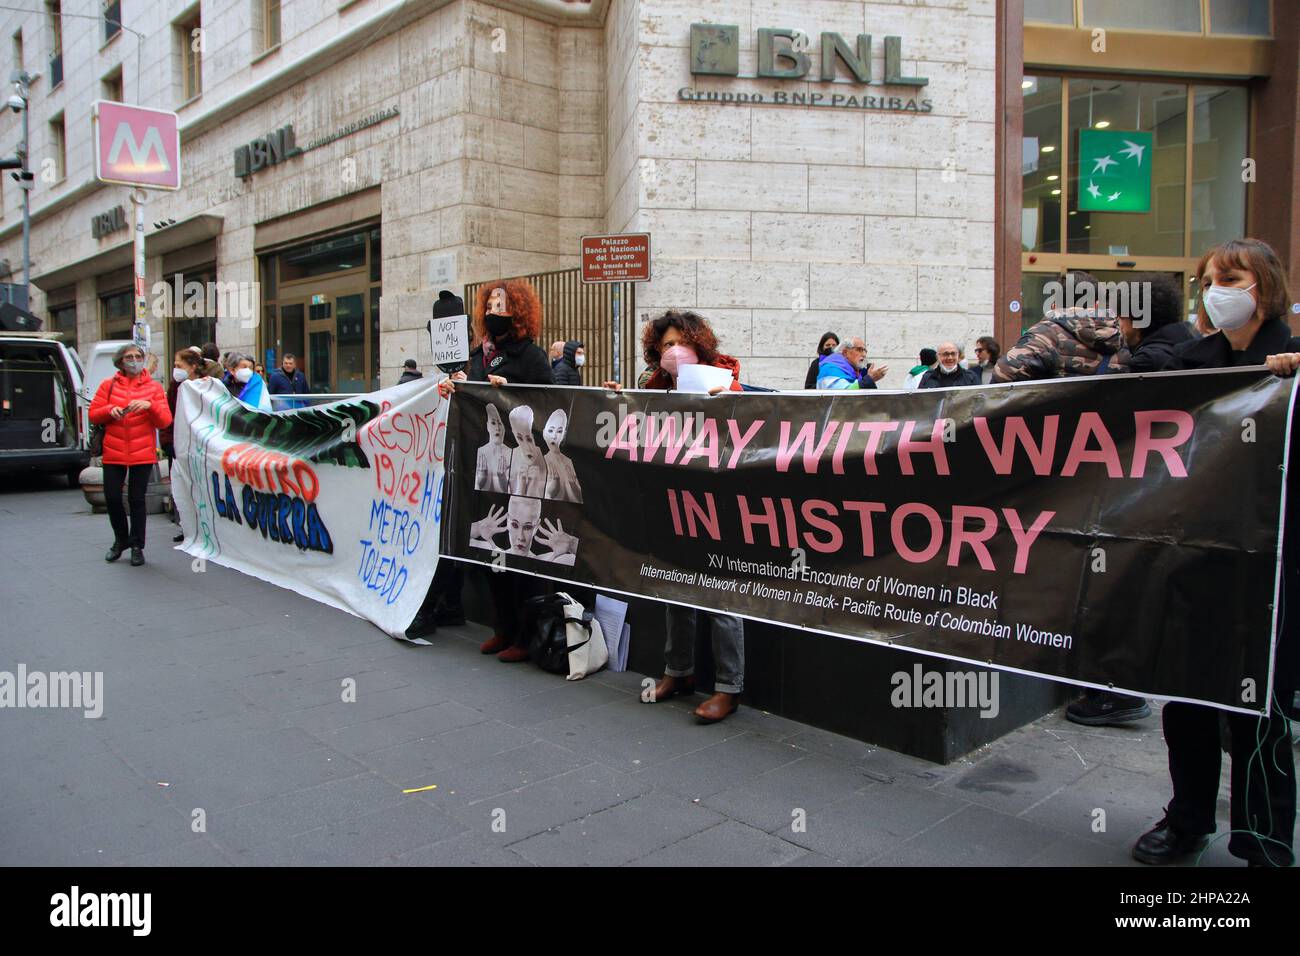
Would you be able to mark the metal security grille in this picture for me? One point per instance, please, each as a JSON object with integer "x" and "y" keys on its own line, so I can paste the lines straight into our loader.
{"x": 590, "y": 313}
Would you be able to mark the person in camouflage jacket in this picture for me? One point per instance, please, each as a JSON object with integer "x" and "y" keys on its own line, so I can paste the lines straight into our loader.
{"x": 1066, "y": 343}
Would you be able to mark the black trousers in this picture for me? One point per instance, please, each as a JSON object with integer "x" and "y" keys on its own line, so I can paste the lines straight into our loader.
{"x": 1263, "y": 797}
{"x": 136, "y": 486}
{"x": 509, "y": 591}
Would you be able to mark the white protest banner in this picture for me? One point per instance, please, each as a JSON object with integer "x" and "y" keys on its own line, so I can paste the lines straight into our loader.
{"x": 340, "y": 502}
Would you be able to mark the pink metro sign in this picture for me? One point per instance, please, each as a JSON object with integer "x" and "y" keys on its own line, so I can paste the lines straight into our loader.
{"x": 135, "y": 146}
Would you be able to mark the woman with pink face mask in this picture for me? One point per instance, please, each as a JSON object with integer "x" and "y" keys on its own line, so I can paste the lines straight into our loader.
{"x": 671, "y": 341}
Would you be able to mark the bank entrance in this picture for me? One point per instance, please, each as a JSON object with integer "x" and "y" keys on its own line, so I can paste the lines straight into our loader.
{"x": 321, "y": 304}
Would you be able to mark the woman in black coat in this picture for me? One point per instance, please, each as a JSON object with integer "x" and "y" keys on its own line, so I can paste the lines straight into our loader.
{"x": 1244, "y": 303}
{"x": 507, "y": 321}
{"x": 827, "y": 346}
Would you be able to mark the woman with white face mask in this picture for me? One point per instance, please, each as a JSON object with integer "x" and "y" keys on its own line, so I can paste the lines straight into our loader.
{"x": 1244, "y": 305}
{"x": 568, "y": 370}
{"x": 131, "y": 407}
{"x": 253, "y": 387}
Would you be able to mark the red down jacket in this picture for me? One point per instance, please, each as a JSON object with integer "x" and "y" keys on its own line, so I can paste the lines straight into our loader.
{"x": 130, "y": 440}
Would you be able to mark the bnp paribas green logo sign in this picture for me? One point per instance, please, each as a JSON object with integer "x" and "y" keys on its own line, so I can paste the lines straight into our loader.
{"x": 1114, "y": 171}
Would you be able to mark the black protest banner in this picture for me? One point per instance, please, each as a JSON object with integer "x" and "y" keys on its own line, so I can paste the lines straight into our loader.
{"x": 1116, "y": 532}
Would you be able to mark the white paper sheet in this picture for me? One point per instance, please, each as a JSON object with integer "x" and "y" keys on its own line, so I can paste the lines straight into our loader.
{"x": 701, "y": 378}
{"x": 612, "y": 615}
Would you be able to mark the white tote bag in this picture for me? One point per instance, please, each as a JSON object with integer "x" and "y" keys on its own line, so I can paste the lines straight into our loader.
{"x": 587, "y": 650}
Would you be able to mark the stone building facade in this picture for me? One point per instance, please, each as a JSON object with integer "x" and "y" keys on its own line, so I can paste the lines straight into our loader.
{"x": 466, "y": 140}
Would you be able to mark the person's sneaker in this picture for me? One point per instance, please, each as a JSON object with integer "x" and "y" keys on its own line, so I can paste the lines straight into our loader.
{"x": 114, "y": 552}
{"x": 178, "y": 537}
{"x": 421, "y": 626}
{"x": 1163, "y": 844}
{"x": 137, "y": 557}
{"x": 513, "y": 655}
{"x": 1101, "y": 708}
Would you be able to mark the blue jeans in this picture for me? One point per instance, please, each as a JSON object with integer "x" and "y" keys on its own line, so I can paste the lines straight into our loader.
{"x": 728, "y": 634}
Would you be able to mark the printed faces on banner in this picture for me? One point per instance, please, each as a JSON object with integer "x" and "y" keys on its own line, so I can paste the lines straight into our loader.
{"x": 526, "y": 477}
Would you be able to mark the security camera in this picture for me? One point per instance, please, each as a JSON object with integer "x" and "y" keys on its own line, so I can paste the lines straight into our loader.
{"x": 16, "y": 103}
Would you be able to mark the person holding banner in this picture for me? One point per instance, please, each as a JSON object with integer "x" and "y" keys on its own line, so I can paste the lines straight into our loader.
{"x": 131, "y": 407}
{"x": 1244, "y": 304}
{"x": 671, "y": 340}
{"x": 507, "y": 320}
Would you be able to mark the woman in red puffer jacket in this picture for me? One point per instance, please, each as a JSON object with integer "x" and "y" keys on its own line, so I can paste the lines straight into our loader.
{"x": 132, "y": 407}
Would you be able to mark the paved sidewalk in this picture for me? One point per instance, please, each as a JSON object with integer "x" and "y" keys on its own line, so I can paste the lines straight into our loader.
{"x": 223, "y": 701}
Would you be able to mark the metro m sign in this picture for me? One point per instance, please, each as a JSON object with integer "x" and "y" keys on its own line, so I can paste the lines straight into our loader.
{"x": 135, "y": 146}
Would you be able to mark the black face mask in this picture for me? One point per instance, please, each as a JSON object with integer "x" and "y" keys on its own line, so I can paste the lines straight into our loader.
{"x": 827, "y": 349}
{"x": 498, "y": 325}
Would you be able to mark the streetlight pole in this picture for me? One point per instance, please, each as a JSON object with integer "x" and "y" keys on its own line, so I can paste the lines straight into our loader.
{"x": 20, "y": 103}
{"x": 26, "y": 186}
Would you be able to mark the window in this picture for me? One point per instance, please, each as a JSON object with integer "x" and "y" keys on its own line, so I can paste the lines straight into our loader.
{"x": 189, "y": 33}
{"x": 18, "y": 50}
{"x": 1040, "y": 165}
{"x": 1136, "y": 135}
{"x": 1248, "y": 17}
{"x": 112, "y": 19}
{"x": 111, "y": 86}
{"x": 63, "y": 318}
{"x": 1050, "y": 11}
{"x": 58, "y": 147}
{"x": 54, "y": 14}
{"x": 191, "y": 308}
{"x": 116, "y": 314}
{"x": 1179, "y": 16}
{"x": 1159, "y": 109}
{"x": 1219, "y": 135}
{"x": 270, "y": 23}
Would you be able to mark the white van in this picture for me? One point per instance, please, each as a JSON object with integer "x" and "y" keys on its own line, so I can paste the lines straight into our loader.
{"x": 44, "y": 408}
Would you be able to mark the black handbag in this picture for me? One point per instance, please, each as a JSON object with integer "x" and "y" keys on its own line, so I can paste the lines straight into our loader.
{"x": 95, "y": 444}
{"x": 547, "y": 627}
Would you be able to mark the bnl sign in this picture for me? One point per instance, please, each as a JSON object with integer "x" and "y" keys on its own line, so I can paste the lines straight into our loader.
{"x": 135, "y": 146}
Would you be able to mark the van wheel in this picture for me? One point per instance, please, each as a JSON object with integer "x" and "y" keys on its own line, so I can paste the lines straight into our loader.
{"x": 74, "y": 477}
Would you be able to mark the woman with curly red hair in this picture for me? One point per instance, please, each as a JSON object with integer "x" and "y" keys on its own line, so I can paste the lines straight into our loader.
{"x": 679, "y": 338}
{"x": 507, "y": 322}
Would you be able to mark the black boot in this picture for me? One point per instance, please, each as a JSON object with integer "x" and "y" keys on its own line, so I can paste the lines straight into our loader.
{"x": 137, "y": 557}
{"x": 1163, "y": 844}
{"x": 115, "y": 551}
{"x": 1101, "y": 708}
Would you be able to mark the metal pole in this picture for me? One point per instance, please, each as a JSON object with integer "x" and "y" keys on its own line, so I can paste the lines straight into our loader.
{"x": 618, "y": 340}
{"x": 140, "y": 334}
{"x": 26, "y": 185}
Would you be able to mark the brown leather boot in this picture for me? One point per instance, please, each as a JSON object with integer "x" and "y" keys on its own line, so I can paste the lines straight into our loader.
{"x": 718, "y": 707}
{"x": 670, "y": 686}
{"x": 496, "y": 645}
{"x": 513, "y": 655}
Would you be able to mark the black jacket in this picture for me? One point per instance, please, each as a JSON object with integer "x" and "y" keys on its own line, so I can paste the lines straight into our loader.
{"x": 566, "y": 370}
{"x": 961, "y": 375}
{"x": 409, "y": 375}
{"x": 810, "y": 380}
{"x": 518, "y": 361}
{"x": 1156, "y": 350}
{"x": 1214, "y": 351}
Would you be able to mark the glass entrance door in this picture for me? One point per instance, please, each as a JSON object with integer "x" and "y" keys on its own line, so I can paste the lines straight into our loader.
{"x": 320, "y": 347}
